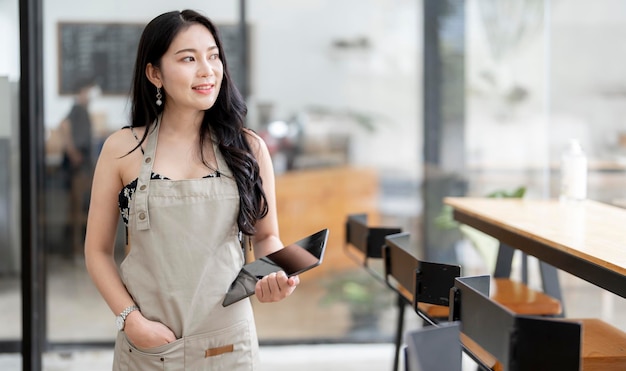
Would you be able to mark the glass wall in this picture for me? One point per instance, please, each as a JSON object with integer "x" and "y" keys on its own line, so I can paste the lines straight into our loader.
{"x": 540, "y": 73}
{"x": 91, "y": 55}
{"x": 588, "y": 90}
{"x": 10, "y": 290}
{"x": 338, "y": 106}
{"x": 508, "y": 140}
{"x": 587, "y": 99}
{"x": 348, "y": 91}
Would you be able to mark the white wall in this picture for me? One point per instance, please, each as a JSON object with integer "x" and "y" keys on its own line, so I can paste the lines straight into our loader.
{"x": 9, "y": 40}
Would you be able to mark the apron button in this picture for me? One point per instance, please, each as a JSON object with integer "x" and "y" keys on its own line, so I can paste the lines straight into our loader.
{"x": 142, "y": 216}
{"x": 148, "y": 159}
{"x": 142, "y": 188}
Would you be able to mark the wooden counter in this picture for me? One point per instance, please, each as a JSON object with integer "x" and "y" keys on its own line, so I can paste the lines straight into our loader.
{"x": 586, "y": 239}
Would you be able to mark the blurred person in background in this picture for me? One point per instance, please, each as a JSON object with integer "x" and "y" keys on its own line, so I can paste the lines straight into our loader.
{"x": 77, "y": 161}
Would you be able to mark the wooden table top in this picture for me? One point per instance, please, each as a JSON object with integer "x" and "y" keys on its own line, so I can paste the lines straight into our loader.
{"x": 591, "y": 232}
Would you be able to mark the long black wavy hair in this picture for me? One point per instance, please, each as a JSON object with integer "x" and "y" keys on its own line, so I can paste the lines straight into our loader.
{"x": 224, "y": 120}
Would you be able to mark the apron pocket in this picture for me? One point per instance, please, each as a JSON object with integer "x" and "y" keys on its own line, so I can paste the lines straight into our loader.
{"x": 228, "y": 349}
{"x": 167, "y": 357}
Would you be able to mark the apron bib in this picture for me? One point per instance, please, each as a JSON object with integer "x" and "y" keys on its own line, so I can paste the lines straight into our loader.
{"x": 185, "y": 252}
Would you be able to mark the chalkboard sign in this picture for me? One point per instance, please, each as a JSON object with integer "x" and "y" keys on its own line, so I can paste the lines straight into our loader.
{"x": 235, "y": 54}
{"x": 107, "y": 51}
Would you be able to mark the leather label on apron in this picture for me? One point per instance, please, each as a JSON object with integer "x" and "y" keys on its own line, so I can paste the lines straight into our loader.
{"x": 211, "y": 352}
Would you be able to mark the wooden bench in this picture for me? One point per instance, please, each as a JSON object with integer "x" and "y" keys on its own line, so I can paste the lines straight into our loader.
{"x": 365, "y": 243}
{"x": 532, "y": 343}
{"x": 603, "y": 346}
{"x": 499, "y": 339}
{"x": 514, "y": 295}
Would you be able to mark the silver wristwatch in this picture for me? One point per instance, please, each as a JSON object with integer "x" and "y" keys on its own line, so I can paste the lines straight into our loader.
{"x": 121, "y": 319}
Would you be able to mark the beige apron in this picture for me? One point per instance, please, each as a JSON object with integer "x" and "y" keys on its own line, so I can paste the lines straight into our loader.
{"x": 184, "y": 254}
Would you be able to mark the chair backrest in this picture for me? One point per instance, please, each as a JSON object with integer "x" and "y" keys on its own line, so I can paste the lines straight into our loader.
{"x": 433, "y": 348}
{"x": 427, "y": 282}
{"x": 518, "y": 342}
{"x": 369, "y": 240}
{"x": 400, "y": 264}
{"x": 433, "y": 282}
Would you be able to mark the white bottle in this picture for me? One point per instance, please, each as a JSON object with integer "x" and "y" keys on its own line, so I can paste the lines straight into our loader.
{"x": 573, "y": 173}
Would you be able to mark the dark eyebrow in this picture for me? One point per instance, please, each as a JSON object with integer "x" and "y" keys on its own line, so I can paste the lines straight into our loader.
{"x": 191, "y": 50}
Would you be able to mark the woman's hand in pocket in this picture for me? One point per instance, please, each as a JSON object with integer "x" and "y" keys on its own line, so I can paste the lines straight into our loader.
{"x": 145, "y": 334}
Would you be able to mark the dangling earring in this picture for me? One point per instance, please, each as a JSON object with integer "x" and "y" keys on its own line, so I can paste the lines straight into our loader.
{"x": 158, "y": 97}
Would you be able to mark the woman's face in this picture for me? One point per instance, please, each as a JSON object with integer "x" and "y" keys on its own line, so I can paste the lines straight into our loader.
{"x": 191, "y": 70}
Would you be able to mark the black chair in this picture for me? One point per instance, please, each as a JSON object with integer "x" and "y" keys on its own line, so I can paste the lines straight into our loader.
{"x": 423, "y": 284}
{"x": 368, "y": 240}
{"x": 417, "y": 282}
{"x": 515, "y": 295}
{"x": 433, "y": 348}
{"x": 516, "y": 342}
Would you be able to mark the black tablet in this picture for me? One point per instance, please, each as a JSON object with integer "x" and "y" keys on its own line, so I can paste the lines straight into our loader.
{"x": 294, "y": 259}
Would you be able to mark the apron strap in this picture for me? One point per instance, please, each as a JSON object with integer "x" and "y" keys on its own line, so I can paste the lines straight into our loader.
{"x": 143, "y": 181}
{"x": 222, "y": 167}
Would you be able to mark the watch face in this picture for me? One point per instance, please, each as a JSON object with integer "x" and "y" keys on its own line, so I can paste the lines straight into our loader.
{"x": 119, "y": 321}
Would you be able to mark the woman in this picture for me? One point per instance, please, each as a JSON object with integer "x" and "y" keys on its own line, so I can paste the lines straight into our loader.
{"x": 188, "y": 179}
